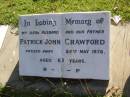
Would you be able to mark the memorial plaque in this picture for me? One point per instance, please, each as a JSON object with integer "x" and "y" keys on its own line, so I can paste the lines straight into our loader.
{"x": 67, "y": 45}
{"x": 3, "y": 30}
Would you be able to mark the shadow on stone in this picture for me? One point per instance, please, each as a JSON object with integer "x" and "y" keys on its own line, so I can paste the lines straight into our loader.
{"x": 39, "y": 84}
{"x": 126, "y": 90}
